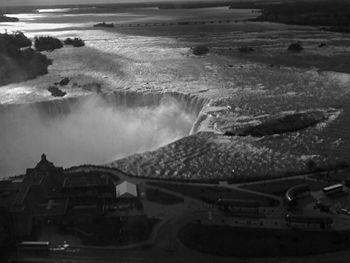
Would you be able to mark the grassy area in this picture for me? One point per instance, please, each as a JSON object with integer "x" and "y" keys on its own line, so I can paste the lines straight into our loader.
{"x": 280, "y": 187}
{"x": 163, "y": 198}
{"x": 210, "y": 194}
{"x": 19, "y": 61}
{"x": 256, "y": 242}
{"x": 112, "y": 231}
{"x": 333, "y": 176}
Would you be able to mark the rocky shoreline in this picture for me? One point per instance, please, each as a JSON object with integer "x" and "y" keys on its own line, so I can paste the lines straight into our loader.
{"x": 4, "y": 18}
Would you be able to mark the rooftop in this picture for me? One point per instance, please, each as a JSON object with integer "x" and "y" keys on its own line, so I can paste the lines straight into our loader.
{"x": 126, "y": 188}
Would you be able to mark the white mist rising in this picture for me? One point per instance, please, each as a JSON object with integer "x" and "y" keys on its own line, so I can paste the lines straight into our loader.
{"x": 93, "y": 132}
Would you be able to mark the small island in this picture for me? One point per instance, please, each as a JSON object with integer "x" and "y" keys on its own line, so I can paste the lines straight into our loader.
{"x": 103, "y": 24}
{"x": 19, "y": 61}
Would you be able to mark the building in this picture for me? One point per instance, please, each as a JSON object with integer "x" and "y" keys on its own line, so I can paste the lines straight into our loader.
{"x": 38, "y": 198}
{"x": 333, "y": 189}
{"x": 45, "y": 194}
{"x": 126, "y": 190}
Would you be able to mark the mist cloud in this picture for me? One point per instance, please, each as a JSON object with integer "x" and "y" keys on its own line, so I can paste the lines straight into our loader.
{"x": 95, "y": 132}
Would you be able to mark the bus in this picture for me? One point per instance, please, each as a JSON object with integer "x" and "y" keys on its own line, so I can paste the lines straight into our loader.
{"x": 332, "y": 189}
{"x": 35, "y": 245}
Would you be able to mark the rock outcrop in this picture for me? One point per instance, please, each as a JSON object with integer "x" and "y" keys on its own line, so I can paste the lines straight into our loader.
{"x": 295, "y": 47}
{"x": 103, "y": 24}
{"x": 63, "y": 82}
{"x": 200, "y": 50}
{"x": 245, "y": 49}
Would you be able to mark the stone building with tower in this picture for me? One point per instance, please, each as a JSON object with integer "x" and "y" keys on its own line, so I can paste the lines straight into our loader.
{"x": 47, "y": 195}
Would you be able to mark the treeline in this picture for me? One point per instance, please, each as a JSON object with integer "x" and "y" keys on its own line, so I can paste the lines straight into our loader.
{"x": 330, "y": 15}
{"x": 47, "y": 43}
{"x": 19, "y": 61}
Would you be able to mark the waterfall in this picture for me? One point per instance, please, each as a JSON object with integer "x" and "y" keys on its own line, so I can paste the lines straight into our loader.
{"x": 56, "y": 107}
{"x": 93, "y": 129}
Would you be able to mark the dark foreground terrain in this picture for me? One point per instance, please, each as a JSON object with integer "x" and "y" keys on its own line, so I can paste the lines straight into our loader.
{"x": 255, "y": 242}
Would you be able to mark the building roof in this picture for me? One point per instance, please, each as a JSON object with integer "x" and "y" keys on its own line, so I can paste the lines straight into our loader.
{"x": 126, "y": 188}
{"x": 332, "y": 187}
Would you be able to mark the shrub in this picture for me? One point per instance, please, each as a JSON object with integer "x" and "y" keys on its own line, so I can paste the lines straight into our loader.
{"x": 16, "y": 40}
{"x": 47, "y": 43}
{"x": 283, "y": 124}
{"x": 19, "y": 61}
{"x": 200, "y": 50}
{"x": 76, "y": 42}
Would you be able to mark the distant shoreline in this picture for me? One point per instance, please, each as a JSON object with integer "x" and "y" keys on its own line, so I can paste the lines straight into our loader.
{"x": 161, "y": 4}
{"x": 4, "y": 18}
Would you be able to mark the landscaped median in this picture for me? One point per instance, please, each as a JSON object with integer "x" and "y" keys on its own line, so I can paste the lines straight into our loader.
{"x": 261, "y": 242}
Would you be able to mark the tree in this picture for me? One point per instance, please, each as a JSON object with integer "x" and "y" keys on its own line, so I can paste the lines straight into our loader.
{"x": 47, "y": 43}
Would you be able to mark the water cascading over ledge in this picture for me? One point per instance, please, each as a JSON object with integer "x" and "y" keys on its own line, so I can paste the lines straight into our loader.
{"x": 190, "y": 103}
{"x": 93, "y": 129}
